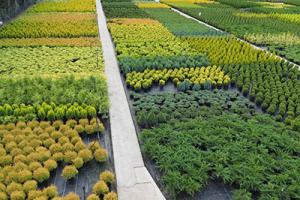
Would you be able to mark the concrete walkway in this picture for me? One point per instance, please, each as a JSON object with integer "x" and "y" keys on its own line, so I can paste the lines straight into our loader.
{"x": 133, "y": 180}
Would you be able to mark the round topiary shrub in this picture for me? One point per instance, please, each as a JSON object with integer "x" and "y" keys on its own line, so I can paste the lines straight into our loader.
{"x": 69, "y": 156}
{"x": 86, "y": 155}
{"x": 3, "y": 196}
{"x": 32, "y": 195}
{"x": 78, "y": 162}
{"x": 56, "y": 124}
{"x": 30, "y": 186}
{"x": 58, "y": 157}
{"x": 55, "y": 148}
{"x": 79, "y": 128}
{"x": 41, "y": 174}
{"x": 111, "y": 196}
{"x": 79, "y": 146}
{"x": 89, "y": 129}
{"x": 93, "y": 197}
{"x": 2, "y": 187}
{"x": 12, "y": 187}
{"x": 107, "y": 177}
{"x": 24, "y": 175}
{"x": 71, "y": 123}
{"x": 71, "y": 196}
{"x": 50, "y": 164}
{"x": 68, "y": 147}
{"x": 100, "y": 188}
{"x": 63, "y": 140}
{"x": 55, "y": 135}
{"x": 51, "y": 191}
{"x": 17, "y": 195}
{"x": 93, "y": 146}
{"x": 75, "y": 139}
{"x": 69, "y": 172}
{"x": 83, "y": 122}
{"x": 34, "y": 165}
{"x": 101, "y": 155}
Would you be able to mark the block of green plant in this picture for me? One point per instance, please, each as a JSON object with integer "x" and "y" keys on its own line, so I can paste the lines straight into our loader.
{"x": 89, "y": 90}
{"x": 257, "y": 154}
{"x": 65, "y": 25}
{"x": 50, "y": 60}
{"x": 152, "y": 110}
{"x": 64, "y": 6}
{"x": 129, "y": 64}
{"x": 122, "y": 9}
{"x": 183, "y": 78}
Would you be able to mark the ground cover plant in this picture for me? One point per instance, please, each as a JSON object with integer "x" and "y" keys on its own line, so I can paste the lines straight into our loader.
{"x": 129, "y": 64}
{"x": 64, "y": 6}
{"x": 122, "y": 9}
{"x": 257, "y": 155}
{"x": 30, "y": 151}
{"x": 52, "y": 91}
{"x": 168, "y": 107}
{"x": 36, "y": 42}
{"x": 146, "y": 38}
{"x": 49, "y": 60}
{"x": 177, "y": 24}
{"x": 183, "y": 78}
{"x": 229, "y": 50}
{"x": 244, "y": 18}
{"x": 51, "y": 25}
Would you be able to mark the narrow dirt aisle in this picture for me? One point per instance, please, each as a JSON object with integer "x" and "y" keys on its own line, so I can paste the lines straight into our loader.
{"x": 133, "y": 179}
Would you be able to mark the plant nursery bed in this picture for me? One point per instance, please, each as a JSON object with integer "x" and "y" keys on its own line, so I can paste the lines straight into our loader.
{"x": 83, "y": 183}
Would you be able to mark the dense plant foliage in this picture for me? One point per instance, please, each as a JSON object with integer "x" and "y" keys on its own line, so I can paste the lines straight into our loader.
{"x": 179, "y": 25}
{"x": 275, "y": 87}
{"x": 242, "y": 18}
{"x": 29, "y": 151}
{"x": 183, "y": 78}
{"x": 129, "y": 64}
{"x": 50, "y": 112}
{"x": 229, "y": 50}
{"x": 152, "y": 110}
{"x": 49, "y": 60}
{"x": 122, "y": 9}
{"x": 51, "y": 25}
{"x": 34, "y": 42}
{"x": 64, "y": 6}
{"x": 88, "y": 90}
{"x": 256, "y": 154}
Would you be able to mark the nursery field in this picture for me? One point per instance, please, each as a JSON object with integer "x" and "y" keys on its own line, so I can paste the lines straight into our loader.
{"x": 272, "y": 24}
{"x": 54, "y": 131}
{"x": 211, "y": 109}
